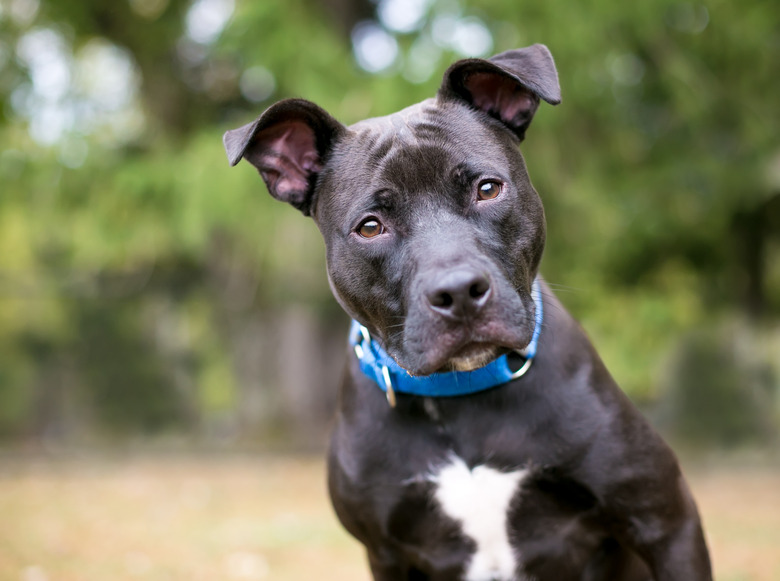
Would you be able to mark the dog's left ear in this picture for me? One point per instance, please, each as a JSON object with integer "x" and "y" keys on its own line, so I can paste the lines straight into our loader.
{"x": 507, "y": 86}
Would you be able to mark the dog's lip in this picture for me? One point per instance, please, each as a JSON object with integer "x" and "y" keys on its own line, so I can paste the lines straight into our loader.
{"x": 465, "y": 353}
{"x": 472, "y": 356}
{"x": 473, "y": 349}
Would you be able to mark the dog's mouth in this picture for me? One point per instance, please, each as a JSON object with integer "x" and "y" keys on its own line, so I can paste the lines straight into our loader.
{"x": 472, "y": 356}
{"x": 431, "y": 342}
{"x": 464, "y": 351}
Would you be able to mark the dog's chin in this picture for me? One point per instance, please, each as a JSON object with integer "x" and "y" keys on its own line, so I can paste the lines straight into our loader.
{"x": 468, "y": 358}
{"x": 471, "y": 357}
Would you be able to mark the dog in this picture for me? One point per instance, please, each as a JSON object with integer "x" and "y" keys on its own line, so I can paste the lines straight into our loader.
{"x": 478, "y": 437}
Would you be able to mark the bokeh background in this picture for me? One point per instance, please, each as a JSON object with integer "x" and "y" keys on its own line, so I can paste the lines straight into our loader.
{"x": 155, "y": 301}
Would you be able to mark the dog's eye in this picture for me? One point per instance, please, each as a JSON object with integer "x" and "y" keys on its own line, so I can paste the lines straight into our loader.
{"x": 371, "y": 228}
{"x": 488, "y": 190}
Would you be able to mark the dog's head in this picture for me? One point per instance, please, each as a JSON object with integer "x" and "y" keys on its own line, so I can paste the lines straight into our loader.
{"x": 433, "y": 230}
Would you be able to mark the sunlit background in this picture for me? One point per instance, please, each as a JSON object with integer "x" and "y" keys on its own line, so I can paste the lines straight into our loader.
{"x": 155, "y": 301}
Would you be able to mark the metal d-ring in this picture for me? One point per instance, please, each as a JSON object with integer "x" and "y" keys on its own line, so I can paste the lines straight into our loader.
{"x": 526, "y": 365}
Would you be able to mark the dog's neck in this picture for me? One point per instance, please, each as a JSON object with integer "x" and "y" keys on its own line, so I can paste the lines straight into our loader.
{"x": 378, "y": 366}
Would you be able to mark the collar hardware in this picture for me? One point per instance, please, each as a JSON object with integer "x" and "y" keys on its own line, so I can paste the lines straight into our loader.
{"x": 388, "y": 386}
{"x": 388, "y": 382}
{"x": 523, "y": 368}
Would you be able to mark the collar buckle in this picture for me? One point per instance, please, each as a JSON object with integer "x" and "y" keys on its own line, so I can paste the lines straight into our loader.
{"x": 360, "y": 352}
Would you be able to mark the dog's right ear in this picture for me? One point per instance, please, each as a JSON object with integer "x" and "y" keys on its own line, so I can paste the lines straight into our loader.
{"x": 287, "y": 144}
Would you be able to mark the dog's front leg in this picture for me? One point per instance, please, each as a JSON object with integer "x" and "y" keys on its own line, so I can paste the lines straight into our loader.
{"x": 386, "y": 568}
{"x": 680, "y": 555}
{"x": 664, "y": 528}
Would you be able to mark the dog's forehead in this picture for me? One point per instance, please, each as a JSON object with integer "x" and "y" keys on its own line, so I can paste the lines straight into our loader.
{"x": 403, "y": 124}
{"x": 424, "y": 148}
{"x": 429, "y": 137}
{"x": 431, "y": 122}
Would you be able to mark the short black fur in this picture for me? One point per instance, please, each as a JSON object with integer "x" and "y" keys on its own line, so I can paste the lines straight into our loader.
{"x": 602, "y": 497}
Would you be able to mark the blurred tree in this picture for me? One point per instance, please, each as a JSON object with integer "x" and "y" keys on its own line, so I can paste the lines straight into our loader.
{"x": 717, "y": 398}
{"x": 125, "y": 238}
{"x": 151, "y": 36}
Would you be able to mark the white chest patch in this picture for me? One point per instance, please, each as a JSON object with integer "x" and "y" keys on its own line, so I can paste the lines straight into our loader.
{"x": 479, "y": 499}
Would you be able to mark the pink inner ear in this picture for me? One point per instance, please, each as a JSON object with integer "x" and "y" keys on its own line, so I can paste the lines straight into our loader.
{"x": 286, "y": 155}
{"x": 501, "y": 96}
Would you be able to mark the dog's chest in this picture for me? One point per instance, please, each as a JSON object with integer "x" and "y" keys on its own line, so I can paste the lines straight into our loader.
{"x": 481, "y": 523}
{"x": 479, "y": 500}
{"x": 464, "y": 494}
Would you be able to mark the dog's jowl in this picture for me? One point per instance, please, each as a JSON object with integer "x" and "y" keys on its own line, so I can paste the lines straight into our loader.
{"x": 479, "y": 436}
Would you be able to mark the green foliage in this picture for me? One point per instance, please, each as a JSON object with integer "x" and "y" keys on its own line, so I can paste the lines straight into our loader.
{"x": 717, "y": 398}
{"x": 659, "y": 173}
{"x": 123, "y": 377}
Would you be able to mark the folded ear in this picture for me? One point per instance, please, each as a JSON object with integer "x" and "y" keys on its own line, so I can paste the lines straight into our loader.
{"x": 507, "y": 86}
{"x": 287, "y": 144}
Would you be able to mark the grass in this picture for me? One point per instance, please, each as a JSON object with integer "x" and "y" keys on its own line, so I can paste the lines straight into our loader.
{"x": 254, "y": 518}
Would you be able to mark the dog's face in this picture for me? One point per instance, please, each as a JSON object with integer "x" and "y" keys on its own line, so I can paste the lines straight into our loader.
{"x": 430, "y": 244}
{"x": 432, "y": 228}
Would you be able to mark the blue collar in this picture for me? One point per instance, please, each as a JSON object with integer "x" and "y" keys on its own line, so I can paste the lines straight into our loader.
{"x": 377, "y": 365}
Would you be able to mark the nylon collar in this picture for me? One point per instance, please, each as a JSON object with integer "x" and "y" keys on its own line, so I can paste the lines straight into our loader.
{"x": 378, "y": 366}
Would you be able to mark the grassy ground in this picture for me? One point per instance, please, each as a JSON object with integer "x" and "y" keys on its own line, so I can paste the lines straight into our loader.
{"x": 268, "y": 518}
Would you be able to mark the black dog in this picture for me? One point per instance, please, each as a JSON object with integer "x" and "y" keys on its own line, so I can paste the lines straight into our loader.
{"x": 479, "y": 436}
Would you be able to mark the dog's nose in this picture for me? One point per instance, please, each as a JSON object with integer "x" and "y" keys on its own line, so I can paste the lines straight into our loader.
{"x": 459, "y": 293}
